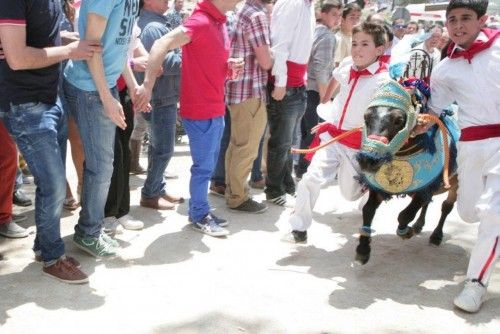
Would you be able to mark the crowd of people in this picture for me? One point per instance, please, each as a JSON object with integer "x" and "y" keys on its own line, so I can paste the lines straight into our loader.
{"x": 250, "y": 83}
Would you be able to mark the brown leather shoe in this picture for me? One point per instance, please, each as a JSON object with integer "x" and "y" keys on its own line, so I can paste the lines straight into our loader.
{"x": 158, "y": 203}
{"x": 173, "y": 199}
{"x": 38, "y": 258}
{"x": 65, "y": 271}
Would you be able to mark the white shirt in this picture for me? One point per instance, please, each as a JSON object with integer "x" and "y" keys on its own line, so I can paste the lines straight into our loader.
{"x": 292, "y": 31}
{"x": 361, "y": 96}
{"x": 475, "y": 87}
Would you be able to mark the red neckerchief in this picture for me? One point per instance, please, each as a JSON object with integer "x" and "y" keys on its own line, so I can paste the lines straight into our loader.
{"x": 385, "y": 59}
{"x": 476, "y": 47}
{"x": 355, "y": 74}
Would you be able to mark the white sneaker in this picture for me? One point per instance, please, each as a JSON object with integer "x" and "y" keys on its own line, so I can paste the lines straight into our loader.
{"x": 471, "y": 297}
{"x": 130, "y": 223}
{"x": 109, "y": 225}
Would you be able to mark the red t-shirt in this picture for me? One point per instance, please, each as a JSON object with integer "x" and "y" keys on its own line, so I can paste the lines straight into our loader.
{"x": 204, "y": 63}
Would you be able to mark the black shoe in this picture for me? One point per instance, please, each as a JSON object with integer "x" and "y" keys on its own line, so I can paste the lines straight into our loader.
{"x": 295, "y": 237}
{"x": 21, "y": 199}
{"x": 251, "y": 206}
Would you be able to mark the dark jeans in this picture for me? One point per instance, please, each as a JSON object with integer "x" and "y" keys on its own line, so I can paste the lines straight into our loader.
{"x": 40, "y": 131}
{"x": 219, "y": 176}
{"x": 283, "y": 119}
{"x": 309, "y": 120}
{"x": 118, "y": 202}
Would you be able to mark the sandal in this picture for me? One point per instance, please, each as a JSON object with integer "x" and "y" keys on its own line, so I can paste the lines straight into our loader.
{"x": 70, "y": 204}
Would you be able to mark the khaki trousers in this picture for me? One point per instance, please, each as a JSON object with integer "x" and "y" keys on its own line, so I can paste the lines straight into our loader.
{"x": 248, "y": 121}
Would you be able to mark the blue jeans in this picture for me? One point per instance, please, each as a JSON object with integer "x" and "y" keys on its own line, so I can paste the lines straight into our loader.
{"x": 40, "y": 131}
{"x": 283, "y": 119}
{"x": 97, "y": 132}
{"x": 161, "y": 148}
{"x": 204, "y": 142}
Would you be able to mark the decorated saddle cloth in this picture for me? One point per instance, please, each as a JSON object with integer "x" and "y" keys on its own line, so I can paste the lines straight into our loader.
{"x": 416, "y": 167}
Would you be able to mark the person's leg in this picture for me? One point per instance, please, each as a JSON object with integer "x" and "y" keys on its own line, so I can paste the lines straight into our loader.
{"x": 97, "y": 134}
{"x": 256, "y": 174}
{"x": 248, "y": 123}
{"x": 309, "y": 120}
{"x": 77, "y": 153}
{"x": 204, "y": 142}
{"x": 161, "y": 148}
{"x": 8, "y": 164}
{"x": 323, "y": 169}
{"x": 486, "y": 250}
{"x": 140, "y": 129}
{"x": 283, "y": 117}
{"x": 219, "y": 177}
{"x": 39, "y": 130}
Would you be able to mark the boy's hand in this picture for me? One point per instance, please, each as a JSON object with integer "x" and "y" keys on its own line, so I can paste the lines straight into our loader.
{"x": 114, "y": 110}
{"x": 142, "y": 96}
{"x": 278, "y": 93}
{"x": 83, "y": 50}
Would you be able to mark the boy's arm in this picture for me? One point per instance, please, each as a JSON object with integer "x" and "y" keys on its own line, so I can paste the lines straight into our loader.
{"x": 96, "y": 25}
{"x": 19, "y": 56}
{"x": 174, "y": 39}
{"x": 332, "y": 87}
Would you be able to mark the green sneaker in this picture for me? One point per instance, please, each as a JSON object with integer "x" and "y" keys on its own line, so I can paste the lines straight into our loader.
{"x": 97, "y": 247}
{"x": 110, "y": 240}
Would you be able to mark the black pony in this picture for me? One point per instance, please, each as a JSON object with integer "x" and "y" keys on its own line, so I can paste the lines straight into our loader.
{"x": 393, "y": 162}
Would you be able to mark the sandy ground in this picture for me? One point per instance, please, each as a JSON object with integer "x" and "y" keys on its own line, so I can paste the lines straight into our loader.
{"x": 171, "y": 279}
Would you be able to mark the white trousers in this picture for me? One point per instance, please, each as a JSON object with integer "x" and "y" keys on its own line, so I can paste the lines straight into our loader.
{"x": 479, "y": 200}
{"x": 325, "y": 165}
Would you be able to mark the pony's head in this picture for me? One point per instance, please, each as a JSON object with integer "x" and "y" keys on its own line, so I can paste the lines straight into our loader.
{"x": 388, "y": 122}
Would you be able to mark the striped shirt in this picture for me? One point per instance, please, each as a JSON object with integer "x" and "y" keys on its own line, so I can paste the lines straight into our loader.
{"x": 321, "y": 64}
{"x": 251, "y": 29}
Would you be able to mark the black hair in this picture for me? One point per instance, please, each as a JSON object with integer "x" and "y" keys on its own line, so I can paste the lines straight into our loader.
{"x": 388, "y": 32}
{"x": 350, "y": 7}
{"x": 478, "y": 6}
{"x": 328, "y": 5}
{"x": 375, "y": 30}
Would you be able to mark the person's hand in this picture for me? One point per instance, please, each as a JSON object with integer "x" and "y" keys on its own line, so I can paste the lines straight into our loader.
{"x": 235, "y": 66}
{"x": 114, "y": 110}
{"x": 133, "y": 98}
{"x": 83, "y": 50}
{"x": 278, "y": 93}
{"x": 142, "y": 96}
{"x": 317, "y": 127}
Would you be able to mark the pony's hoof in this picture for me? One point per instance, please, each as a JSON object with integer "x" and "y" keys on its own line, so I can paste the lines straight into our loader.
{"x": 435, "y": 240}
{"x": 405, "y": 233}
{"x": 362, "y": 258}
{"x": 417, "y": 228}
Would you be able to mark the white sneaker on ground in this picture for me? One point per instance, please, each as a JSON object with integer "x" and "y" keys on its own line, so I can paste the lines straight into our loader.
{"x": 130, "y": 223}
{"x": 471, "y": 297}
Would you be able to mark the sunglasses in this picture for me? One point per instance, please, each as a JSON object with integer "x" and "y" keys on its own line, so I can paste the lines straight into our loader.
{"x": 400, "y": 26}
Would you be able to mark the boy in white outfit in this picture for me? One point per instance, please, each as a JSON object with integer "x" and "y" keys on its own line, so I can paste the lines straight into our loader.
{"x": 471, "y": 77}
{"x": 358, "y": 78}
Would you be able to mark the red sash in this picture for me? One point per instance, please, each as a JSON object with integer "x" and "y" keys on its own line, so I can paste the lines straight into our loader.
{"x": 352, "y": 141}
{"x": 480, "y": 132}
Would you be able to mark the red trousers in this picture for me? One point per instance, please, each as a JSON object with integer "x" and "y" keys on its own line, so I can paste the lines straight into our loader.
{"x": 8, "y": 164}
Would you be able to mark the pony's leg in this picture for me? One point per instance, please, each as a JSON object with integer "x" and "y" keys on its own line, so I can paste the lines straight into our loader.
{"x": 437, "y": 235}
{"x": 419, "y": 224}
{"x": 369, "y": 209}
{"x": 407, "y": 215}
